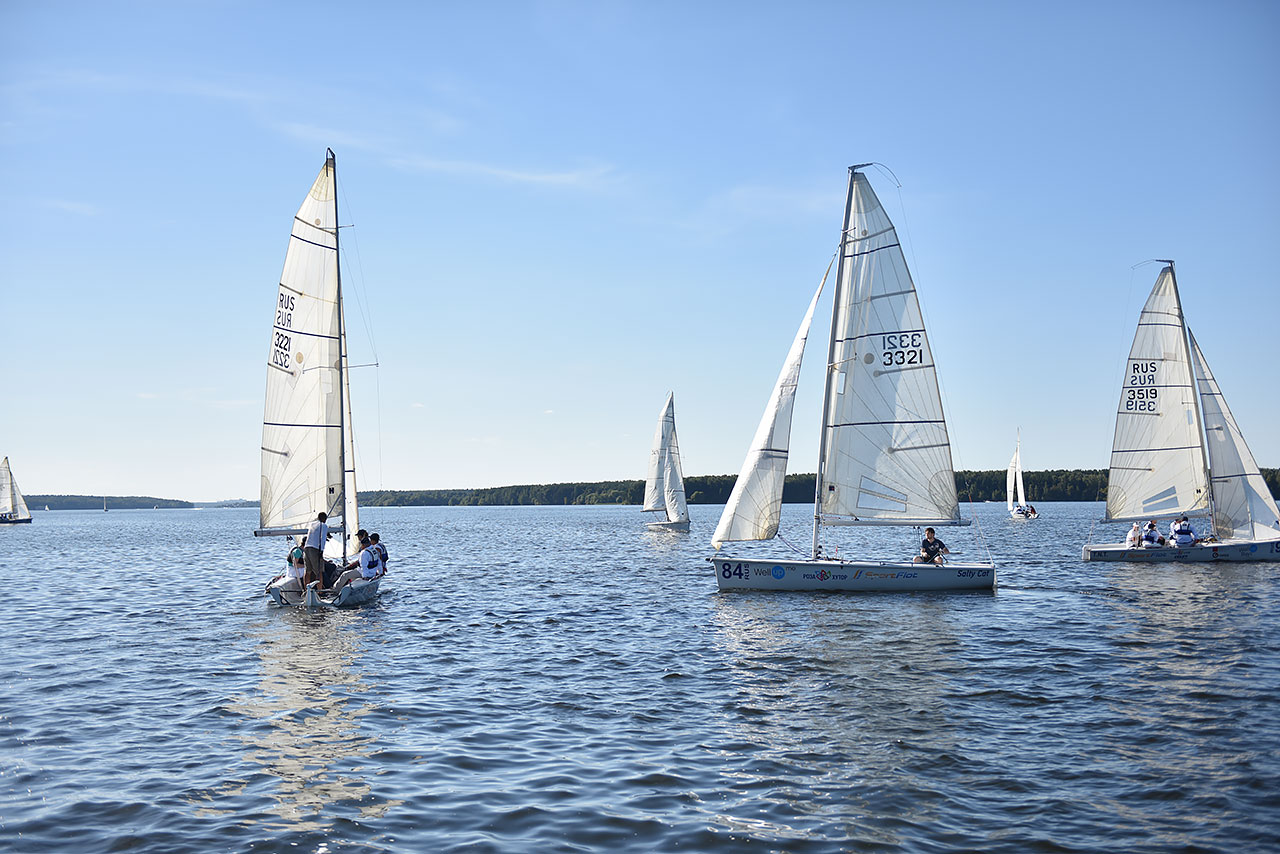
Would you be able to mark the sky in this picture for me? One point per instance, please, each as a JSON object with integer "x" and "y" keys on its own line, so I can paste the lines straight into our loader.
{"x": 560, "y": 211}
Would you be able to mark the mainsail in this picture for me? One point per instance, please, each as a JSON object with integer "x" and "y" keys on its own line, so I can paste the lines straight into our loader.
{"x": 1242, "y": 504}
{"x": 664, "y": 485}
{"x": 886, "y": 457}
{"x": 1157, "y": 459}
{"x": 1013, "y": 480}
{"x": 13, "y": 506}
{"x": 306, "y": 429}
{"x": 754, "y": 509}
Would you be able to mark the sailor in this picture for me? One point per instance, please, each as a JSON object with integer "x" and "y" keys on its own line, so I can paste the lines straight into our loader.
{"x": 931, "y": 549}
{"x": 1151, "y": 537}
{"x": 1135, "y": 537}
{"x": 370, "y": 567}
{"x": 313, "y": 549}
{"x": 294, "y": 571}
{"x": 1183, "y": 533}
{"x": 382, "y": 550}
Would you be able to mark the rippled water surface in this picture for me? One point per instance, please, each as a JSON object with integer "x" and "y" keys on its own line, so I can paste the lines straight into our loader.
{"x": 558, "y": 679}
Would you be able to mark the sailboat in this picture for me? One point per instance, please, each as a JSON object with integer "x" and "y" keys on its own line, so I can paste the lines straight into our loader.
{"x": 13, "y": 507}
{"x": 1022, "y": 510}
{"x": 308, "y": 458}
{"x": 884, "y": 455}
{"x": 664, "y": 486}
{"x": 1178, "y": 451}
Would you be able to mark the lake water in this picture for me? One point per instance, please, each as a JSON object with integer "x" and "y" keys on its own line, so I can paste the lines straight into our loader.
{"x": 558, "y": 679}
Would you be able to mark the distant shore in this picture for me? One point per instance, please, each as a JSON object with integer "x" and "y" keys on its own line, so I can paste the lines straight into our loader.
{"x": 1051, "y": 485}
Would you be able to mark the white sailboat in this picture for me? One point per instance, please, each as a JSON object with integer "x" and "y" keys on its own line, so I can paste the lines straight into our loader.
{"x": 308, "y": 459}
{"x": 1178, "y": 451}
{"x": 664, "y": 485}
{"x": 13, "y": 507}
{"x": 884, "y": 457}
{"x": 1013, "y": 482}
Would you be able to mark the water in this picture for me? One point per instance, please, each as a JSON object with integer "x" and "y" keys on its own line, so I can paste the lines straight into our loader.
{"x": 557, "y": 679}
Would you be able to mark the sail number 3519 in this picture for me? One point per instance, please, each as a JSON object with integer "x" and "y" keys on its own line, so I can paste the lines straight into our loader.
{"x": 902, "y": 348}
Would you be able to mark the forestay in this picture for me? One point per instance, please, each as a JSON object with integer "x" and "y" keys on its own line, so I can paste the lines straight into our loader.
{"x": 302, "y": 431}
{"x": 664, "y": 485}
{"x": 1157, "y": 459}
{"x": 754, "y": 509}
{"x": 1242, "y": 504}
{"x": 886, "y": 456}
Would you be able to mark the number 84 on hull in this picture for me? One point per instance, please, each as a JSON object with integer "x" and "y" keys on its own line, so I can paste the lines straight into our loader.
{"x": 863, "y": 576}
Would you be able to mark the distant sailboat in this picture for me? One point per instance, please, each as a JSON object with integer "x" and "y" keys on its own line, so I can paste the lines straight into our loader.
{"x": 13, "y": 507}
{"x": 104, "y": 504}
{"x": 884, "y": 456}
{"x": 664, "y": 486}
{"x": 308, "y": 458}
{"x": 1022, "y": 510}
{"x": 1178, "y": 451}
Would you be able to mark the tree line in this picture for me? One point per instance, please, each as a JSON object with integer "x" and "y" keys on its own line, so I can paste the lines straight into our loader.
{"x": 1052, "y": 485}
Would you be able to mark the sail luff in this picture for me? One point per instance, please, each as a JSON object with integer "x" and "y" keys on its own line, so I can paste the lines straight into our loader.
{"x": 754, "y": 508}
{"x": 827, "y": 377}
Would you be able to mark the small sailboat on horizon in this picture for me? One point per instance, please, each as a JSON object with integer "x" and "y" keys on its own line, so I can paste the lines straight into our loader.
{"x": 308, "y": 451}
{"x": 664, "y": 485}
{"x": 1013, "y": 483}
{"x": 13, "y": 507}
{"x": 1178, "y": 452}
{"x": 884, "y": 456}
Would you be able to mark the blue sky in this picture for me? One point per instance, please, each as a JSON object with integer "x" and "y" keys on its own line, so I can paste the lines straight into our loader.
{"x": 564, "y": 210}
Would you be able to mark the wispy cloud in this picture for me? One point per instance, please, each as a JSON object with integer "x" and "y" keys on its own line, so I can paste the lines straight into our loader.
{"x": 724, "y": 211}
{"x": 589, "y": 177}
{"x": 66, "y": 206}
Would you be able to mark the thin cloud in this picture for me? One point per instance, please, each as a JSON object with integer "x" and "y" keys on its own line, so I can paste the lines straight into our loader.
{"x": 592, "y": 177}
{"x": 723, "y": 212}
{"x": 67, "y": 206}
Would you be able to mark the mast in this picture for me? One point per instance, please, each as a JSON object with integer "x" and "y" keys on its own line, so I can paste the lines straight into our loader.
{"x": 342, "y": 357}
{"x": 831, "y": 357}
{"x": 1185, "y": 340}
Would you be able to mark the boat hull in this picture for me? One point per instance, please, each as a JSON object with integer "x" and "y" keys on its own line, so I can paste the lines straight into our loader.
{"x": 858, "y": 576}
{"x": 1230, "y": 551}
{"x": 28, "y": 520}
{"x": 353, "y": 595}
{"x": 682, "y": 527}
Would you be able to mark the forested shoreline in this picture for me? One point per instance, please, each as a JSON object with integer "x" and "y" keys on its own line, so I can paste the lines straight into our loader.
{"x": 1051, "y": 485}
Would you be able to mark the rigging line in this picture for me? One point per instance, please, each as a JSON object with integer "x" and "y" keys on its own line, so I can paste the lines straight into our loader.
{"x": 364, "y": 314}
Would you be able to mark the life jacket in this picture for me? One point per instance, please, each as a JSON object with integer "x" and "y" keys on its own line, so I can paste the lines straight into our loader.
{"x": 1150, "y": 536}
{"x": 1183, "y": 528}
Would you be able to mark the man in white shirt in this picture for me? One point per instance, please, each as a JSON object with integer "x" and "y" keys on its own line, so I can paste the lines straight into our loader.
{"x": 313, "y": 549}
{"x": 370, "y": 567}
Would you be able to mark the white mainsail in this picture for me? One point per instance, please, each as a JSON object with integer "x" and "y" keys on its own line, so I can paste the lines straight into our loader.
{"x": 1242, "y": 504}
{"x": 754, "y": 509}
{"x": 306, "y": 430}
{"x": 886, "y": 457}
{"x": 13, "y": 506}
{"x": 664, "y": 485}
{"x": 1157, "y": 458}
{"x": 1013, "y": 480}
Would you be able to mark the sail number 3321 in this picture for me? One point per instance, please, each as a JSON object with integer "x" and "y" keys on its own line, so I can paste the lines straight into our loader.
{"x": 902, "y": 348}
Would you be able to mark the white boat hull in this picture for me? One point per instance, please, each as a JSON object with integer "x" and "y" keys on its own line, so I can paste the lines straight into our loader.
{"x": 669, "y": 526}
{"x": 1230, "y": 550}
{"x": 1016, "y": 515}
{"x": 861, "y": 576}
{"x": 353, "y": 595}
